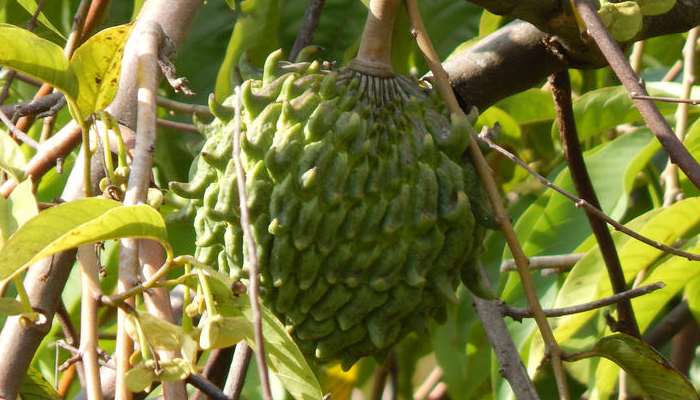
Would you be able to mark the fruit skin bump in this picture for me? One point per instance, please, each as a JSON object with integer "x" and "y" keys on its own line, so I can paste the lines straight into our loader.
{"x": 364, "y": 205}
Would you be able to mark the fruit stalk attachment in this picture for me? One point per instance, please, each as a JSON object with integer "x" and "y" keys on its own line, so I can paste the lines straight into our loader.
{"x": 374, "y": 55}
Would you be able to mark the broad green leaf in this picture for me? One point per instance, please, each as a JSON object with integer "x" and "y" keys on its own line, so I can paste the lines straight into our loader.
{"x": 283, "y": 356}
{"x": 11, "y": 156}
{"x": 26, "y": 52}
{"x": 35, "y": 387}
{"x": 623, "y": 19}
{"x": 510, "y": 128}
{"x": 656, "y": 378}
{"x": 600, "y": 110}
{"x": 255, "y": 30}
{"x": 533, "y": 105}
{"x": 10, "y": 306}
{"x": 31, "y": 7}
{"x": 76, "y": 223}
{"x": 97, "y": 64}
{"x": 588, "y": 280}
{"x": 625, "y": 156}
{"x": 489, "y": 23}
{"x": 676, "y": 273}
{"x": 17, "y": 209}
{"x": 655, "y": 7}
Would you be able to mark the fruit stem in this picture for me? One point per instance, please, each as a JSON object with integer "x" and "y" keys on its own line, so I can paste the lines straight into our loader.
{"x": 374, "y": 55}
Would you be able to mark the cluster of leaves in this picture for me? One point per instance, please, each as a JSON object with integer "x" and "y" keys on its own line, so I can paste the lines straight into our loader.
{"x": 622, "y": 156}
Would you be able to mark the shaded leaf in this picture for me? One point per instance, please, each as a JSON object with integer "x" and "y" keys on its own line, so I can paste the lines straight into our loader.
{"x": 656, "y": 377}
{"x": 255, "y": 29}
{"x": 35, "y": 387}
{"x": 11, "y": 157}
{"x": 26, "y": 52}
{"x": 96, "y": 64}
{"x": 31, "y": 7}
{"x": 76, "y": 223}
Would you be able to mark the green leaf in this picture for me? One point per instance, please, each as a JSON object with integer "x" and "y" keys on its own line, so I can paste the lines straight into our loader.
{"x": 544, "y": 228}
{"x": 163, "y": 335}
{"x": 35, "y": 387}
{"x": 11, "y": 156}
{"x": 76, "y": 223}
{"x": 17, "y": 209}
{"x": 10, "y": 306}
{"x": 655, "y": 376}
{"x": 31, "y": 7}
{"x": 140, "y": 377}
{"x": 623, "y": 19}
{"x": 26, "y": 52}
{"x": 256, "y": 31}
{"x": 655, "y": 7}
{"x": 588, "y": 280}
{"x": 600, "y": 110}
{"x": 283, "y": 356}
{"x": 97, "y": 64}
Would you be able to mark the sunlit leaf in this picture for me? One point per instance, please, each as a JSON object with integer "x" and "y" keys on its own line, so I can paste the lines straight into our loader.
{"x": 31, "y": 7}
{"x": 11, "y": 156}
{"x": 140, "y": 377}
{"x": 97, "y": 64}
{"x": 76, "y": 223}
{"x": 163, "y": 335}
{"x": 602, "y": 109}
{"x": 26, "y": 52}
{"x": 17, "y": 209}
{"x": 657, "y": 379}
{"x": 693, "y": 294}
{"x": 283, "y": 356}
{"x": 588, "y": 281}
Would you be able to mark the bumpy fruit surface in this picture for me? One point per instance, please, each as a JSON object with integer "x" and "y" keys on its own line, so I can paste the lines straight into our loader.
{"x": 363, "y": 204}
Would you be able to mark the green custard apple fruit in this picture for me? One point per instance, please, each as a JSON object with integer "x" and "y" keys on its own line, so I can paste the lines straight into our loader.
{"x": 364, "y": 205}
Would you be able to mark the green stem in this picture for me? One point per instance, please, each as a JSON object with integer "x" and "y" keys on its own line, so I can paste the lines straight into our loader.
{"x": 374, "y": 55}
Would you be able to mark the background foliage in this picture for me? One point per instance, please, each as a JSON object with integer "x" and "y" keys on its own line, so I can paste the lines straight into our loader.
{"x": 623, "y": 158}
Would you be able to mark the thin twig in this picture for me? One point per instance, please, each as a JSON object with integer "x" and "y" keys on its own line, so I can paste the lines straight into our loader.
{"x": 428, "y": 384}
{"x": 519, "y": 313}
{"x": 511, "y": 365}
{"x": 618, "y": 62}
{"x": 18, "y": 133}
{"x": 552, "y": 349}
{"x": 177, "y": 126}
{"x": 215, "y": 370}
{"x": 184, "y": 108}
{"x": 562, "y": 262}
{"x": 71, "y": 335}
{"x": 252, "y": 251}
{"x": 672, "y": 190}
{"x": 309, "y": 23}
{"x": 588, "y": 207}
{"x": 206, "y": 387}
{"x": 561, "y": 92}
{"x": 237, "y": 371}
{"x": 669, "y": 325}
{"x": 665, "y": 99}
